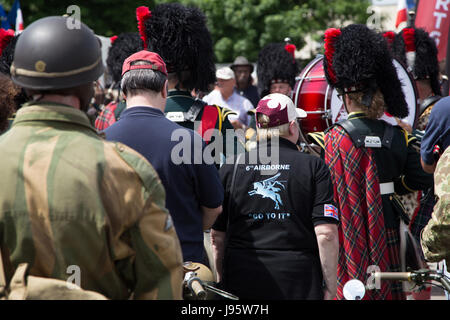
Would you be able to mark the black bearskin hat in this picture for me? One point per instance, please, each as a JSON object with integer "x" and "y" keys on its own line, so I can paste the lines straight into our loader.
{"x": 180, "y": 36}
{"x": 358, "y": 59}
{"x": 275, "y": 64}
{"x": 7, "y": 46}
{"x": 416, "y": 49}
{"x": 123, "y": 46}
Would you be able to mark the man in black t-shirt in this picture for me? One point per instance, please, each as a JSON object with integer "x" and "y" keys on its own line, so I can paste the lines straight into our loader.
{"x": 277, "y": 235}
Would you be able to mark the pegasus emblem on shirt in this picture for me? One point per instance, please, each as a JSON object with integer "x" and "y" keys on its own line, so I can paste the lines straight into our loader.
{"x": 268, "y": 189}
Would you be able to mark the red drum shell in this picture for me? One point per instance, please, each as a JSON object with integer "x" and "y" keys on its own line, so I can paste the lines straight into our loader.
{"x": 313, "y": 94}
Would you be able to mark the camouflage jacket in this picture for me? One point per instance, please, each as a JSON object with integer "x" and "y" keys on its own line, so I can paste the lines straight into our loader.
{"x": 436, "y": 235}
{"x": 68, "y": 198}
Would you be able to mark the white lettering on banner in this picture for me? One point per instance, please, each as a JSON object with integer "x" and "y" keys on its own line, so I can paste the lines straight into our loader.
{"x": 440, "y": 16}
{"x": 436, "y": 35}
{"x": 443, "y": 4}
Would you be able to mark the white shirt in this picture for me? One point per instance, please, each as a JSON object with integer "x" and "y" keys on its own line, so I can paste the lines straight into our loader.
{"x": 235, "y": 102}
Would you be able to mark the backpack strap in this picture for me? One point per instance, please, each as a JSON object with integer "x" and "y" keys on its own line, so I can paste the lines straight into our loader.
{"x": 431, "y": 100}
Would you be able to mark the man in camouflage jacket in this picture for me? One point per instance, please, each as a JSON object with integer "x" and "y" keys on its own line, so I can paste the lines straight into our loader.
{"x": 70, "y": 199}
{"x": 436, "y": 235}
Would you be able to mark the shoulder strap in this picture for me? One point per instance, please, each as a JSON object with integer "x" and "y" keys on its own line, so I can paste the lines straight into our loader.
{"x": 119, "y": 108}
{"x": 361, "y": 140}
{"x": 351, "y": 129}
{"x": 428, "y": 102}
{"x": 230, "y": 196}
{"x": 194, "y": 110}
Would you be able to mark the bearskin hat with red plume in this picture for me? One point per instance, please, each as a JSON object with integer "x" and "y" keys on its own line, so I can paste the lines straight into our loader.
{"x": 358, "y": 59}
{"x": 180, "y": 36}
{"x": 276, "y": 64}
{"x": 416, "y": 49}
{"x": 122, "y": 46}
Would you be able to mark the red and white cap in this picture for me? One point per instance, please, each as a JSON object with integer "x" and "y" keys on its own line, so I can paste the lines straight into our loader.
{"x": 155, "y": 62}
{"x": 280, "y": 109}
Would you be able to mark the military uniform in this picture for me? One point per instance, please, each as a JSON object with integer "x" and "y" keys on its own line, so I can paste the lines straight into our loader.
{"x": 369, "y": 160}
{"x": 70, "y": 198}
{"x": 402, "y": 166}
{"x": 417, "y": 50}
{"x": 183, "y": 109}
{"x": 436, "y": 235}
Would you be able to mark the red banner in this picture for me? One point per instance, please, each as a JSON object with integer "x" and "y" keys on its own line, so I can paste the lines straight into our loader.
{"x": 434, "y": 17}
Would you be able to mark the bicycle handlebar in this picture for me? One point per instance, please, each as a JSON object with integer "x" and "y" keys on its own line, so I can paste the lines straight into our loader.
{"x": 196, "y": 286}
{"x": 402, "y": 276}
{"x": 418, "y": 277}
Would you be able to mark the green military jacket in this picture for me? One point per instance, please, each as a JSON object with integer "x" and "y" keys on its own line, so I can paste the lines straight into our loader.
{"x": 436, "y": 234}
{"x": 69, "y": 198}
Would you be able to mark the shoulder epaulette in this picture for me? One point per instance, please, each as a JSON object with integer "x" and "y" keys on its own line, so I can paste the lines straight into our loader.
{"x": 226, "y": 112}
{"x": 318, "y": 138}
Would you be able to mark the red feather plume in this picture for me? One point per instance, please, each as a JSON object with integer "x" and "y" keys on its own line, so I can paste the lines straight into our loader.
{"x": 291, "y": 49}
{"x": 112, "y": 39}
{"x": 142, "y": 15}
{"x": 331, "y": 36}
{"x": 5, "y": 38}
{"x": 409, "y": 39}
{"x": 389, "y": 36}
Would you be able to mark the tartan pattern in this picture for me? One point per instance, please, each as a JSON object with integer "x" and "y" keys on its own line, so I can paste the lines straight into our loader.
{"x": 106, "y": 118}
{"x": 362, "y": 233}
{"x": 423, "y": 213}
{"x": 395, "y": 265}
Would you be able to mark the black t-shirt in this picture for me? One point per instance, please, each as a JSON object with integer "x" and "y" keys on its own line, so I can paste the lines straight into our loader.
{"x": 275, "y": 206}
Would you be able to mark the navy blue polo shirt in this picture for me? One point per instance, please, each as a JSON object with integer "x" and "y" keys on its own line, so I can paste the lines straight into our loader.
{"x": 437, "y": 131}
{"x": 188, "y": 185}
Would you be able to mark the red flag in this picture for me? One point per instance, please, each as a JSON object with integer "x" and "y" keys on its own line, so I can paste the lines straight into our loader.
{"x": 434, "y": 17}
{"x": 402, "y": 13}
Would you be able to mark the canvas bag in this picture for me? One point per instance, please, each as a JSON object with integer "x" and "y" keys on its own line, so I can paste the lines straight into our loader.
{"x": 23, "y": 287}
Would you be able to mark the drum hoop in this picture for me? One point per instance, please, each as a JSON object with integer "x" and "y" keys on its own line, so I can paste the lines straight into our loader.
{"x": 325, "y": 107}
{"x": 413, "y": 82}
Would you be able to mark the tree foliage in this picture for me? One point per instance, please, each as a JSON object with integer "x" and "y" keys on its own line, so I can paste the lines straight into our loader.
{"x": 238, "y": 27}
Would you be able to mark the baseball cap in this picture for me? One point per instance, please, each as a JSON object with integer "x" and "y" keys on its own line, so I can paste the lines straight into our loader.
{"x": 155, "y": 62}
{"x": 225, "y": 73}
{"x": 279, "y": 108}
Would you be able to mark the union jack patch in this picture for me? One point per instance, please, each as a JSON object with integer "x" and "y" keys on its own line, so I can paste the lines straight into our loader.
{"x": 330, "y": 211}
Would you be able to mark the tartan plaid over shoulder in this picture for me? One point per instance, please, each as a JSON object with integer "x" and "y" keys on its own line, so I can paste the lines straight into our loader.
{"x": 362, "y": 234}
{"x": 107, "y": 117}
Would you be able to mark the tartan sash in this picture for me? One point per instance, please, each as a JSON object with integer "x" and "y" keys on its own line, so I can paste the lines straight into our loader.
{"x": 362, "y": 233}
{"x": 107, "y": 117}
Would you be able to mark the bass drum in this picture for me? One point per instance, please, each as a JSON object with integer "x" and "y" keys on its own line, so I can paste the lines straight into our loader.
{"x": 324, "y": 107}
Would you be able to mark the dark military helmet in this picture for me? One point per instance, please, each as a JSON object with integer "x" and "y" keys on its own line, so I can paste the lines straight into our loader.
{"x": 55, "y": 53}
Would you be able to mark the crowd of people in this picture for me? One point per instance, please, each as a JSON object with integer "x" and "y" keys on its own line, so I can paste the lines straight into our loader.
{"x": 176, "y": 161}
